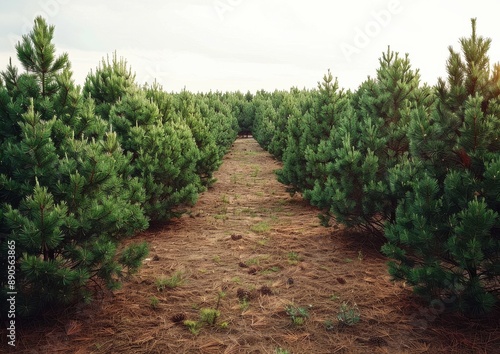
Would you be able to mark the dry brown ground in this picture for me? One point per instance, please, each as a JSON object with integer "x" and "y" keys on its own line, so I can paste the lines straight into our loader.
{"x": 283, "y": 249}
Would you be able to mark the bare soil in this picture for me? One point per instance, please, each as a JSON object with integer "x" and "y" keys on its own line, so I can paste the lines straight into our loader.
{"x": 250, "y": 250}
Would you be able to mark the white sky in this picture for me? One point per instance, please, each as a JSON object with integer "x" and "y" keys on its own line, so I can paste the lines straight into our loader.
{"x": 229, "y": 45}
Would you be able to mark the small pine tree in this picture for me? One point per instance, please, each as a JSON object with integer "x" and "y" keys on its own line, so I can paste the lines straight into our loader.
{"x": 367, "y": 140}
{"x": 221, "y": 122}
{"x": 164, "y": 156}
{"x": 445, "y": 239}
{"x": 263, "y": 126}
{"x": 285, "y": 107}
{"x": 244, "y": 111}
{"x": 314, "y": 122}
{"x": 292, "y": 173}
{"x": 329, "y": 104}
{"x": 190, "y": 114}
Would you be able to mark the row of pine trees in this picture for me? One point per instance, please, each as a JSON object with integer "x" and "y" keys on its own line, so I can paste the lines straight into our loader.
{"x": 414, "y": 165}
{"x": 83, "y": 167}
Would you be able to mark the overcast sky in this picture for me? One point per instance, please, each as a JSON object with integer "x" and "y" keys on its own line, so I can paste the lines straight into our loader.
{"x": 229, "y": 45}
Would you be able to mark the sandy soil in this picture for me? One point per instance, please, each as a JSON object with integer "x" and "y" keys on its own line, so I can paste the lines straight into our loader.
{"x": 250, "y": 251}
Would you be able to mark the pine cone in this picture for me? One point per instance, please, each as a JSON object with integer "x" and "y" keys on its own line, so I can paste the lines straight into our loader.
{"x": 341, "y": 280}
{"x": 243, "y": 294}
{"x": 179, "y": 317}
{"x": 378, "y": 341}
{"x": 265, "y": 290}
{"x": 252, "y": 270}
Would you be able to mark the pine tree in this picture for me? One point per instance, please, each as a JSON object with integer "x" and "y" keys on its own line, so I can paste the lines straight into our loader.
{"x": 221, "y": 122}
{"x": 285, "y": 107}
{"x": 368, "y": 138}
{"x": 293, "y": 173}
{"x": 190, "y": 114}
{"x": 164, "y": 156}
{"x": 244, "y": 111}
{"x": 10, "y": 109}
{"x": 265, "y": 117}
{"x": 329, "y": 104}
{"x": 111, "y": 81}
{"x": 445, "y": 239}
{"x": 65, "y": 198}
{"x": 36, "y": 52}
{"x": 163, "y": 100}
{"x": 309, "y": 125}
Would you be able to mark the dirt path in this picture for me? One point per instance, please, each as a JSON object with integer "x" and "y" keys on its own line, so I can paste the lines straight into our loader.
{"x": 250, "y": 244}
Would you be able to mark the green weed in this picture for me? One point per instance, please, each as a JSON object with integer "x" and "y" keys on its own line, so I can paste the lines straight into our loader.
{"x": 270, "y": 270}
{"x": 348, "y": 314}
{"x": 298, "y": 315}
{"x": 329, "y": 325}
{"x": 222, "y": 216}
{"x": 263, "y": 242}
{"x": 282, "y": 351}
{"x": 244, "y": 304}
{"x": 209, "y": 316}
{"x": 260, "y": 227}
{"x": 154, "y": 302}
{"x": 334, "y": 297}
{"x": 193, "y": 326}
{"x": 253, "y": 261}
{"x": 224, "y": 325}
{"x": 293, "y": 257}
{"x": 174, "y": 281}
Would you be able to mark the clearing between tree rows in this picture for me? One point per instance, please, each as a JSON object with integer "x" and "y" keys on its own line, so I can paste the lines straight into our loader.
{"x": 279, "y": 280}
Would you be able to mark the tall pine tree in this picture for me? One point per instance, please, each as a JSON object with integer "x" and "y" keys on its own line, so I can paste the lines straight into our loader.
{"x": 66, "y": 199}
{"x": 445, "y": 240}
